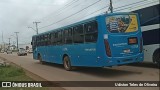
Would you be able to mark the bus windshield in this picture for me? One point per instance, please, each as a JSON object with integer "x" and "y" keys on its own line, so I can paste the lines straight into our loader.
{"x": 122, "y": 23}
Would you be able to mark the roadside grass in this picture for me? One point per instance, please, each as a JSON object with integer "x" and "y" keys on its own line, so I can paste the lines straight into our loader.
{"x": 13, "y": 73}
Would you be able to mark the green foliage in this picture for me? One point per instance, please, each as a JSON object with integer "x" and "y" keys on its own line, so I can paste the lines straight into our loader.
{"x": 11, "y": 73}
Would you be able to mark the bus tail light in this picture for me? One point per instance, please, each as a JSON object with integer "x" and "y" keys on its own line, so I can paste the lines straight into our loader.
{"x": 141, "y": 45}
{"x": 108, "y": 50}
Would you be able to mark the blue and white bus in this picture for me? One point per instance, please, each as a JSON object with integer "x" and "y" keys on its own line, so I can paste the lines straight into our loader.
{"x": 102, "y": 41}
{"x": 150, "y": 25}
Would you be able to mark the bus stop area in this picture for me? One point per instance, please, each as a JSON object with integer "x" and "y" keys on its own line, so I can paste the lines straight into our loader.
{"x": 53, "y": 72}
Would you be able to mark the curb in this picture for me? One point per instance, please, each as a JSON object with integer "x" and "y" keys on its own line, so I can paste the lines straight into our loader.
{"x": 33, "y": 75}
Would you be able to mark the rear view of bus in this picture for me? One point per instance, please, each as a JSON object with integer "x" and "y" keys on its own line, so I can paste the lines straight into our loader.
{"x": 122, "y": 39}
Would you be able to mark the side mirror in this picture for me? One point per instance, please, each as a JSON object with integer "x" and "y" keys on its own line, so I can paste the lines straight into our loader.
{"x": 31, "y": 43}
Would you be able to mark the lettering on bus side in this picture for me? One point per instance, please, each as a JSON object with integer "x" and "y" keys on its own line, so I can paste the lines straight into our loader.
{"x": 120, "y": 44}
{"x": 90, "y": 49}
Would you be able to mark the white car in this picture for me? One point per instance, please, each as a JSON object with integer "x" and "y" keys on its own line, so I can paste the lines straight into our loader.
{"x": 9, "y": 51}
{"x": 2, "y": 51}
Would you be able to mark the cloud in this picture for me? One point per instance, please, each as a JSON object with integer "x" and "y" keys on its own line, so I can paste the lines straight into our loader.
{"x": 17, "y": 15}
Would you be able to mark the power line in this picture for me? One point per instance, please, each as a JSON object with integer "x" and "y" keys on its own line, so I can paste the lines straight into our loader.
{"x": 67, "y": 5}
{"x": 61, "y": 9}
{"x": 71, "y": 15}
{"x": 117, "y": 7}
{"x": 98, "y": 10}
{"x": 94, "y": 12}
{"x": 66, "y": 8}
{"x": 139, "y": 2}
{"x": 136, "y": 4}
{"x": 36, "y": 26}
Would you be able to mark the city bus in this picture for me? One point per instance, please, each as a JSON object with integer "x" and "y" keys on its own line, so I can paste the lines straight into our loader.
{"x": 102, "y": 41}
{"x": 150, "y": 25}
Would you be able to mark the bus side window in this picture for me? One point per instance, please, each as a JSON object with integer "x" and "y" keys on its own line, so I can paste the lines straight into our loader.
{"x": 53, "y": 38}
{"x": 43, "y": 40}
{"x": 60, "y": 37}
{"x": 40, "y": 40}
{"x": 67, "y": 37}
{"x": 91, "y": 31}
{"x": 37, "y": 40}
{"x": 78, "y": 35}
{"x": 49, "y": 39}
{"x": 33, "y": 42}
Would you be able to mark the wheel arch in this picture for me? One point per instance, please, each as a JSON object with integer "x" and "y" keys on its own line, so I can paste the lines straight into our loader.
{"x": 154, "y": 53}
{"x": 64, "y": 55}
{"x": 38, "y": 55}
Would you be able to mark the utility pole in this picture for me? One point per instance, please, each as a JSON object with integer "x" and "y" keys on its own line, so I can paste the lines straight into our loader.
{"x": 17, "y": 38}
{"x": 3, "y": 41}
{"x": 9, "y": 43}
{"x": 36, "y": 26}
{"x": 111, "y": 6}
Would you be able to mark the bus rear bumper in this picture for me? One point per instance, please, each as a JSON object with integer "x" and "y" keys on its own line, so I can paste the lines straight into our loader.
{"x": 115, "y": 61}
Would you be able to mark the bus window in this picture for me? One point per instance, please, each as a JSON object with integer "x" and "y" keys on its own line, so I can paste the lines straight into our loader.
{"x": 43, "y": 40}
{"x": 39, "y": 42}
{"x": 78, "y": 35}
{"x": 49, "y": 39}
{"x": 67, "y": 37}
{"x": 91, "y": 32}
{"x": 53, "y": 38}
{"x": 59, "y": 38}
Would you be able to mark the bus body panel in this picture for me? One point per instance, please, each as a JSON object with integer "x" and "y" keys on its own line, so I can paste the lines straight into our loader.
{"x": 93, "y": 54}
{"x": 118, "y": 57}
{"x": 119, "y": 44}
{"x": 150, "y": 18}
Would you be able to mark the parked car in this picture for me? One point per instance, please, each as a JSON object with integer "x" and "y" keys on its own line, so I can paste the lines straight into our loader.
{"x": 2, "y": 51}
{"x": 30, "y": 51}
{"x": 9, "y": 51}
{"x": 22, "y": 52}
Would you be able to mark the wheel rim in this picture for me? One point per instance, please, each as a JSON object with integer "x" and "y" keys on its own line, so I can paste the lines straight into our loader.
{"x": 156, "y": 58}
{"x": 40, "y": 59}
{"x": 66, "y": 63}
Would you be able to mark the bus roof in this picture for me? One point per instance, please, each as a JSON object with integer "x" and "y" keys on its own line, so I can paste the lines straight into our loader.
{"x": 67, "y": 26}
{"x": 81, "y": 22}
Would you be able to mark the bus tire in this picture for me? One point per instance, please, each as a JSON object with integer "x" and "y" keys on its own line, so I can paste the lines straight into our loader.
{"x": 67, "y": 63}
{"x": 40, "y": 59}
{"x": 156, "y": 57}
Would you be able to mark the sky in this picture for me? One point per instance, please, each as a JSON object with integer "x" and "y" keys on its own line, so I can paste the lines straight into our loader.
{"x": 18, "y": 15}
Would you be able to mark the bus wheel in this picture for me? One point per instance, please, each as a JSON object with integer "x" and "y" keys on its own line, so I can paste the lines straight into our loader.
{"x": 67, "y": 63}
{"x": 156, "y": 57}
{"x": 40, "y": 59}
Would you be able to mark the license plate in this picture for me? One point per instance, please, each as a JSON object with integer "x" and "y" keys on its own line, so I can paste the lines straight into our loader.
{"x": 132, "y": 40}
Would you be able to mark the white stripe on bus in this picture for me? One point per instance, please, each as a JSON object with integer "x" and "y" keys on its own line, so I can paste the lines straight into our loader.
{"x": 150, "y": 27}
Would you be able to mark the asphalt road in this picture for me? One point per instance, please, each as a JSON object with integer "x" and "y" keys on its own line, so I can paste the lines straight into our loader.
{"x": 53, "y": 72}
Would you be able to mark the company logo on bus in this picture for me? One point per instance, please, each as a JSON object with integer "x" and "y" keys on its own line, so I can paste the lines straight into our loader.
{"x": 120, "y": 44}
